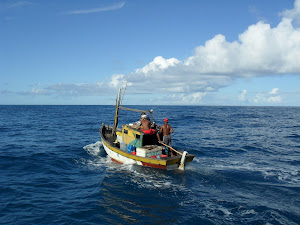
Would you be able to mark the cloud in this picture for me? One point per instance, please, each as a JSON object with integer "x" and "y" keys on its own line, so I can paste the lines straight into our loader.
{"x": 81, "y": 89}
{"x": 38, "y": 91}
{"x": 194, "y": 98}
{"x": 294, "y": 13}
{"x": 117, "y": 81}
{"x": 268, "y": 97}
{"x": 243, "y": 96}
{"x": 158, "y": 64}
{"x": 96, "y": 10}
{"x": 274, "y": 91}
{"x": 33, "y": 92}
{"x": 177, "y": 99}
{"x": 261, "y": 50}
{"x": 77, "y": 89}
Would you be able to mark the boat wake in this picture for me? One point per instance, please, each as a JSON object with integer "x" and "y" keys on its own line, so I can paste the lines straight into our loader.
{"x": 100, "y": 158}
{"x": 280, "y": 172}
{"x": 148, "y": 178}
{"x": 97, "y": 160}
{"x": 93, "y": 149}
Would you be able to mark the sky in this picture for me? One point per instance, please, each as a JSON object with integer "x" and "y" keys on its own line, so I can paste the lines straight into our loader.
{"x": 170, "y": 52}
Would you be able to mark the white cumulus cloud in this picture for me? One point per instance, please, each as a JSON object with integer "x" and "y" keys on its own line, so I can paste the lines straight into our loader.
{"x": 268, "y": 97}
{"x": 294, "y": 13}
{"x": 194, "y": 98}
{"x": 117, "y": 81}
{"x": 274, "y": 91}
{"x": 159, "y": 63}
{"x": 243, "y": 95}
{"x": 261, "y": 50}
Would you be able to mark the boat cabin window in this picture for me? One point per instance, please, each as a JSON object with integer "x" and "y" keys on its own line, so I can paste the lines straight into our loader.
{"x": 125, "y": 131}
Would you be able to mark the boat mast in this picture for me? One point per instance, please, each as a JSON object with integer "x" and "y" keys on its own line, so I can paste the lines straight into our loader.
{"x": 118, "y": 101}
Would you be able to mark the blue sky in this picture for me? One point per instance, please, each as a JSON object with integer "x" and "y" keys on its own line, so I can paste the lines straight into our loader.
{"x": 169, "y": 52}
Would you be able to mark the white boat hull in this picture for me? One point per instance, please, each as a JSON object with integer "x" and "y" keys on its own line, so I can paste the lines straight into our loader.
{"x": 118, "y": 158}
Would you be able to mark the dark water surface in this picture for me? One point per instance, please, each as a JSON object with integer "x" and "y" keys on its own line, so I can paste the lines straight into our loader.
{"x": 53, "y": 168}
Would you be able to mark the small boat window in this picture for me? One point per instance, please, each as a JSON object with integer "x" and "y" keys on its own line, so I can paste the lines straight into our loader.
{"x": 125, "y": 131}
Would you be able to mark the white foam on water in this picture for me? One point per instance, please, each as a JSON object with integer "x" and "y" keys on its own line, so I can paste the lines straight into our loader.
{"x": 99, "y": 162}
{"x": 143, "y": 177}
{"x": 248, "y": 212}
{"x": 290, "y": 175}
{"x": 280, "y": 171}
{"x": 155, "y": 180}
{"x": 197, "y": 160}
{"x": 225, "y": 210}
{"x": 115, "y": 167}
{"x": 95, "y": 163}
{"x": 148, "y": 178}
{"x": 93, "y": 149}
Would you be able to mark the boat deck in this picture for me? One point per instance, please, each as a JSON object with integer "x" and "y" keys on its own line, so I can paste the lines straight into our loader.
{"x": 107, "y": 134}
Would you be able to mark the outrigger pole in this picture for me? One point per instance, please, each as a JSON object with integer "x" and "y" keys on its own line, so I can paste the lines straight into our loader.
{"x": 134, "y": 110}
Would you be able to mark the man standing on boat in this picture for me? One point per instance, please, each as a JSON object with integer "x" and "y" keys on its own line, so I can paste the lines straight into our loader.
{"x": 166, "y": 129}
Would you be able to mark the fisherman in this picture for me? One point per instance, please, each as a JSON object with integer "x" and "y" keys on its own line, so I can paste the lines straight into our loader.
{"x": 138, "y": 123}
{"x": 146, "y": 126}
{"x": 166, "y": 129}
{"x": 143, "y": 116}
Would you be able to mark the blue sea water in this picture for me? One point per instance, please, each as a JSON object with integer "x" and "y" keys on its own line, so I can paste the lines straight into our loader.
{"x": 53, "y": 168}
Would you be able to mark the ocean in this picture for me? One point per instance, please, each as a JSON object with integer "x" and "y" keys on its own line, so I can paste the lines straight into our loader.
{"x": 54, "y": 170}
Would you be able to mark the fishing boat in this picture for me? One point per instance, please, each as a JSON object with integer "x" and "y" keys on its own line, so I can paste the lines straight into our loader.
{"x": 132, "y": 145}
